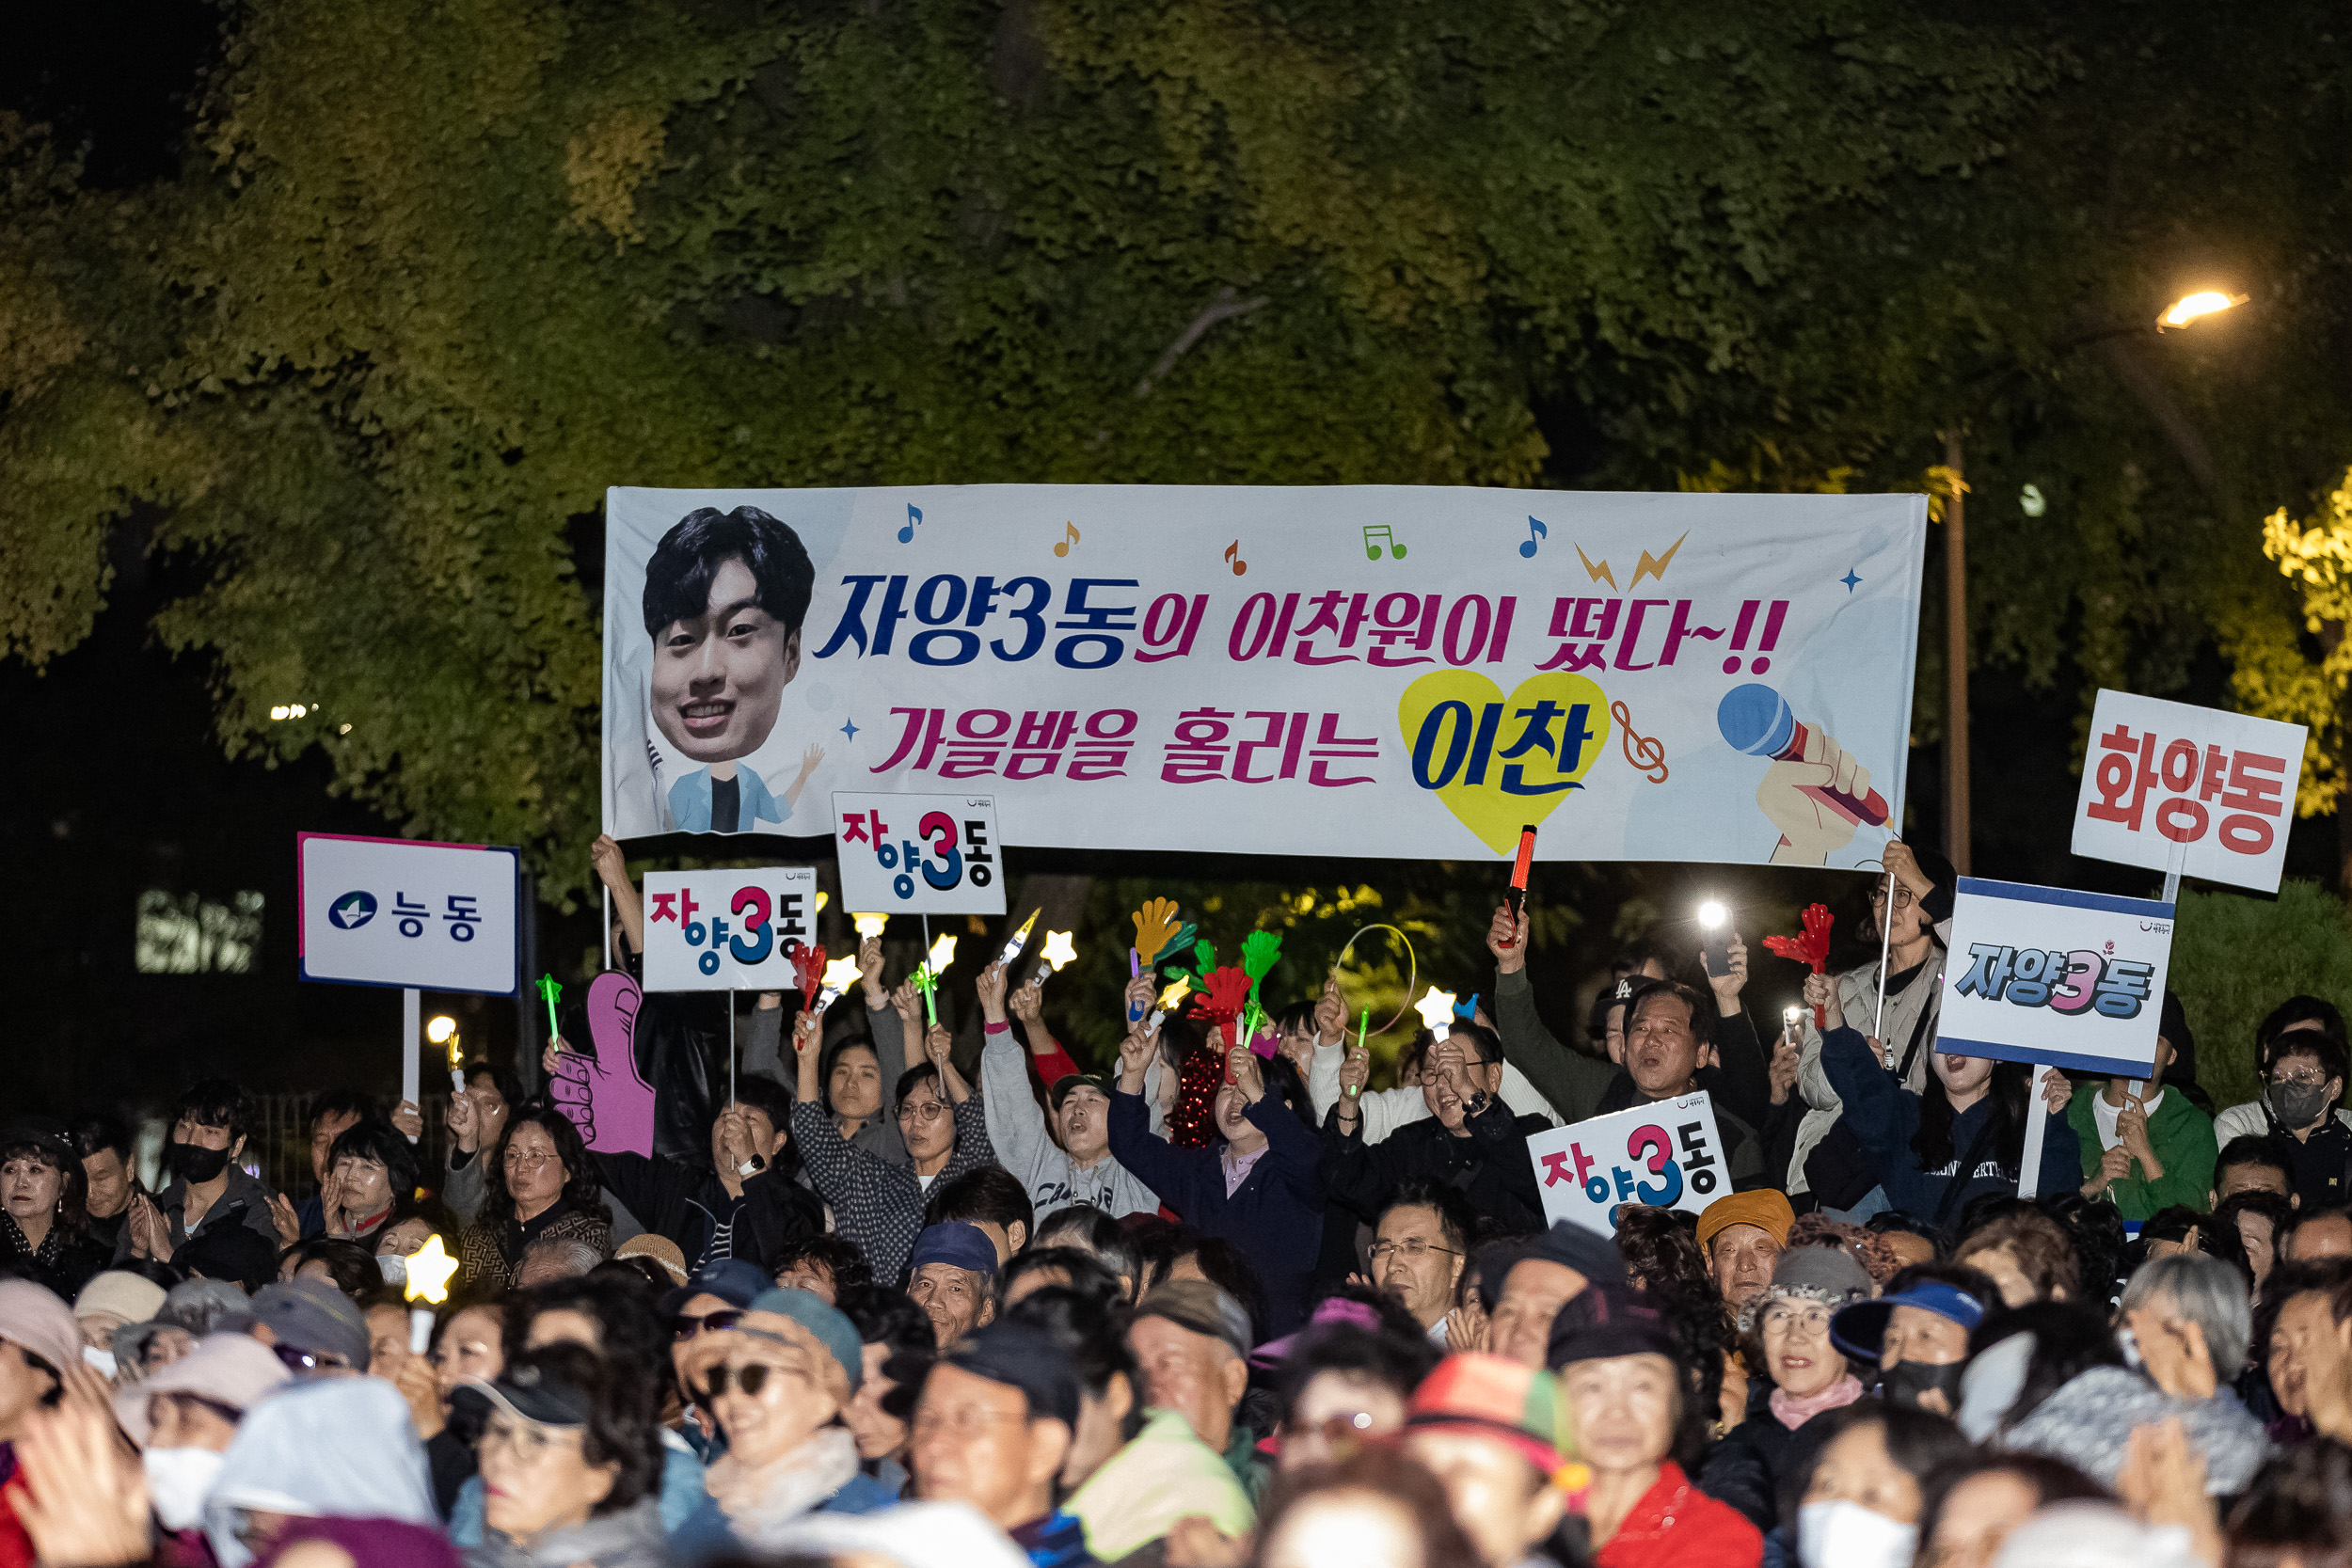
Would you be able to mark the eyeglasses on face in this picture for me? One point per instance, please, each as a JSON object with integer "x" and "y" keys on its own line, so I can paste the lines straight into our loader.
{"x": 1411, "y": 1246}
{"x": 967, "y": 1422}
{"x": 921, "y": 1110}
{"x": 1784, "y": 1320}
{"x": 684, "y": 1327}
{"x": 2304, "y": 1078}
{"x": 521, "y": 1157}
{"x": 1903, "y": 899}
{"x": 529, "y": 1440}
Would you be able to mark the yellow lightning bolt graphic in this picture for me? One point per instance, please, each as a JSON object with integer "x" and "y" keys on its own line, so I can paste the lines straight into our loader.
{"x": 1655, "y": 566}
{"x": 1600, "y": 573}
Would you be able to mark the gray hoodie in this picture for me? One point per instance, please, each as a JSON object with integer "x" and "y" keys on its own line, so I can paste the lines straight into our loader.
{"x": 341, "y": 1448}
{"x": 1025, "y": 1147}
{"x": 631, "y": 1537}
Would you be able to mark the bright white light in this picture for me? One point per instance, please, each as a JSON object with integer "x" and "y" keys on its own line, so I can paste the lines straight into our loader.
{"x": 840, "y": 974}
{"x": 1437, "y": 1009}
{"x": 869, "y": 925}
{"x": 2205, "y": 302}
{"x": 943, "y": 953}
{"x": 2031, "y": 502}
{"x": 345, "y": 729}
{"x": 282, "y": 711}
{"x": 1713, "y": 915}
{"x": 1791, "y": 1013}
{"x": 439, "y": 1028}
{"x": 1059, "y": 949}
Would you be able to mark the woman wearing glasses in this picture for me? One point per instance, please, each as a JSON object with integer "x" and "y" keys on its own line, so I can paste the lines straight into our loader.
{"x": 571, "y": 1461}
{"x": 876, "y": 1203}
{"x": 792, "y": 1363}
{"x": 540, "y": 1187}
{"x": 1788, "y": 1333}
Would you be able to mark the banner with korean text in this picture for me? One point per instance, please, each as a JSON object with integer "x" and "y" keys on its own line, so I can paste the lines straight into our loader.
{"x": 2048, "y": 975}
{"x": 1366, "y": 671}
{"x": 2196, "y": 790}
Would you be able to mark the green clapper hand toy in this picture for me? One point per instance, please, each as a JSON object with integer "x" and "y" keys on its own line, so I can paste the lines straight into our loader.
{"x": 547, "y": 988}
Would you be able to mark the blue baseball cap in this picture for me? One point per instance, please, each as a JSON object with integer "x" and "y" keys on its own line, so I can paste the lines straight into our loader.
{"x": 957, "y": 1242}
{"x": 731, "y": 1279}
{"x": 1860, "y": 1330}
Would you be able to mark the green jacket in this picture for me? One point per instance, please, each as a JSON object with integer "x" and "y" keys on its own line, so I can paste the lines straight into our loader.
{"x": 2182, "y": 1136}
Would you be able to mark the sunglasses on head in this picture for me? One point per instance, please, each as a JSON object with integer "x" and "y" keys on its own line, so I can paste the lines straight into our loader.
{"x": 710, "y": 1322}
{"x": 749, "y": 1380}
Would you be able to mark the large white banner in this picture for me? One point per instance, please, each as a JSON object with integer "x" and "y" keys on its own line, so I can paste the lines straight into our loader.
{"x": 1364, "y": 671}
{"x": 2048, "y": 975}
{"x": 2176, "y": 787}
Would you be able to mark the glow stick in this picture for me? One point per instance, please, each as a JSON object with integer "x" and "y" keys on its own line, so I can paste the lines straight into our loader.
{"x": 429, "y": 1269}
{"x": 1058, "y": 950}
{"x": 1018, "y": 941}
{"x": 1135, "y": 971}
{"x": 1437, "y": 1009}
{"x": 549, "y": 989}
{"x": 1514, "y": 896}
{"x": 869, "y": 925}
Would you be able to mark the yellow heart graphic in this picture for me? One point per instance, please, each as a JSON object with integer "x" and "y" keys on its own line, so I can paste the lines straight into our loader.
{"x": 1497, "y": 763}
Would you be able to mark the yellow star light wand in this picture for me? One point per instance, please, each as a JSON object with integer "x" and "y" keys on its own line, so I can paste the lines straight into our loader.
{"x": 429, "y": 1270}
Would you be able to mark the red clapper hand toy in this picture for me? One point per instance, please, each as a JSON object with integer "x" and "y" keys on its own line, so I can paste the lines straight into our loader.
{"x": 808, "y": 967}
{"x": 1223, "y": 995}
{"x": 602, "y": 1094}
{"x": 1810, "y": 947}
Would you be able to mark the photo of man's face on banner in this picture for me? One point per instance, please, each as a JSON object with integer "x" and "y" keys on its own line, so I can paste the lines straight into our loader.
{"x": 724, "y": 598}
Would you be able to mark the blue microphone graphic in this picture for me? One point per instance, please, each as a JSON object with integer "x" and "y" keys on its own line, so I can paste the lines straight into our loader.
{"x": 1757, "y": 720}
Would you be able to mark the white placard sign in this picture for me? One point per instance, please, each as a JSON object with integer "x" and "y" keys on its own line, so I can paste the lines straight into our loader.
{"x": 2176, "y": 787}
{"x": 397, "y": 912}
{"x": 2046, "y": 974}
{"x": 919, "y": 854}
{"x": 727, "y": 930}
{"x": 1666, "y": 1154}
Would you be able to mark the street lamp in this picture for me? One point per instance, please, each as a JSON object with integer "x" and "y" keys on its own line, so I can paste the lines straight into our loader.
{"x": 2195, "y": 307}
{"x": 2185, "y": 311}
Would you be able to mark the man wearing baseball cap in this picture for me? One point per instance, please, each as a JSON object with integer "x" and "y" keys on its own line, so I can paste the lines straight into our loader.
{"x": 1192, "y": 1342}
{"x": 1525, "y": 1288}
{"x": 954, "y": 1278}
{"x": 1917, "y": 1332}
{"x": 313, "y": 1327}
{"x": 995, "y": 1422}
{"x": 1499, "y": 1438}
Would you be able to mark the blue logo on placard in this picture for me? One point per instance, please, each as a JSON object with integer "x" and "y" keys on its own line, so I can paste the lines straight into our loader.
{"x": 351, "y": 911}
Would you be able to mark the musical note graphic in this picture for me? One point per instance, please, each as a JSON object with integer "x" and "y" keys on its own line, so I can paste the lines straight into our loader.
{"x": 1063, "y": 548}
{"x": 1233, "y": 553}
{"x": 1646, "y": 755}
{"x": 1535, "y": 531}
{"x": 1374, "y": 535}
{"x": 915, "y": 516}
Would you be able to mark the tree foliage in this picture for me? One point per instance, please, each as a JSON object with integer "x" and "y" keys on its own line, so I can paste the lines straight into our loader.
{"x": 429, "y": 279}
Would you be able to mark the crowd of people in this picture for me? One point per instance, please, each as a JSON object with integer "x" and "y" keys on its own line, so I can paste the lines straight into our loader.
{"x": 1226, "y": 1302}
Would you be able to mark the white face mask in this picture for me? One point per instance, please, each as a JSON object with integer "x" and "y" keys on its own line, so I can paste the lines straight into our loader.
{"x": 1848, "y": 1535}
{"x": 393, "y": 1266}
{"x": 178, "y": 1481}
{"x": 101, "y": 1359}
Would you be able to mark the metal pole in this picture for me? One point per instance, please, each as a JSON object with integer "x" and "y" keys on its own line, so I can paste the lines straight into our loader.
{"x": 1886, "y": 945}
{"x": 608, "y": 928}
{"x": 411, "y": 1046}
{"x": 1955, "y": 824}
{"x": 2036, "y": 1129}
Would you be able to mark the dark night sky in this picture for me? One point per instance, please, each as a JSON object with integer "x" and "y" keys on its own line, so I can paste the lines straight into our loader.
{"x": 115, "y": 784}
